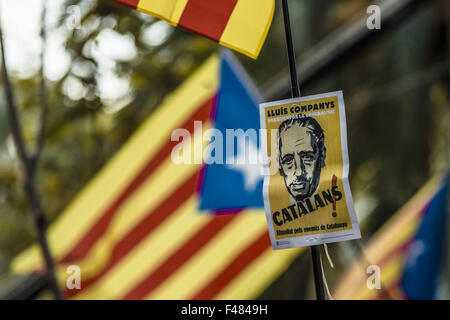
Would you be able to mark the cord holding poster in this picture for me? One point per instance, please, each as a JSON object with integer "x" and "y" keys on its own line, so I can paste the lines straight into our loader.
{"x": 307, "y": 197}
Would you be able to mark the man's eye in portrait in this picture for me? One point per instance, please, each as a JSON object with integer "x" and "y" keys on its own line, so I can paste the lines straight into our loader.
{"x": 308, "y": 158}
{"x": 288, "y": 160}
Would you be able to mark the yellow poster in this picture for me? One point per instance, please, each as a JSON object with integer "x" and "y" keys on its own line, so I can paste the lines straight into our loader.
{"x": 307, "y": 197}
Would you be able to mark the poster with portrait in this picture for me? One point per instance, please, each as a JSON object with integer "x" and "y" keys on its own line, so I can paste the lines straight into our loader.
{"x": 307, "y": 197}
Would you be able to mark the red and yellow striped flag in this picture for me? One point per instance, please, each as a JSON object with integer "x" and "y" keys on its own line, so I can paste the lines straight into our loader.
{"x": 388, "y": 250}
{"x": 241, "y": 25}
{"x": 136, "y": 231}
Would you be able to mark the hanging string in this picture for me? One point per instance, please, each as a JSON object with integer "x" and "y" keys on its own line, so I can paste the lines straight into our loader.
{"x": 328, "y": 255}
{"x": 330, "y": 297}
{"x": 325, "y": 283}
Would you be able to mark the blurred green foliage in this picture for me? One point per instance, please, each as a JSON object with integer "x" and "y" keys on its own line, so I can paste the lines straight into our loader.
{"x": 396, "y": 98}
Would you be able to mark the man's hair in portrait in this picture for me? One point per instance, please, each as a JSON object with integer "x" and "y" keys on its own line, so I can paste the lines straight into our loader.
{"x": 315, "y": 128}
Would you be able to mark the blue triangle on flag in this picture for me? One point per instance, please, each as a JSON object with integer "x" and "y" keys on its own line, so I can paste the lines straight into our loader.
{"x": 425, "y": 255}
{"x": 230, "y": 185}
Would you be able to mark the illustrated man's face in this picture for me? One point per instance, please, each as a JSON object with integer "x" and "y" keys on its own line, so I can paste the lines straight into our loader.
{"x": 299, "y": 161}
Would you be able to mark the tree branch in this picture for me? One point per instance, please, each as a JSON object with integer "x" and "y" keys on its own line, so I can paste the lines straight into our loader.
{"x": 42, "y": 95}
{"x": 28, "y": 172}
{"x": 11, "y": 105}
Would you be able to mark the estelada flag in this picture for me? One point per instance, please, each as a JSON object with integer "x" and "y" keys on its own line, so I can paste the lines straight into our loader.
{"x": 409, "y": 250}
{"x": 143, "y": 228}
{"x": 241, "y": 25}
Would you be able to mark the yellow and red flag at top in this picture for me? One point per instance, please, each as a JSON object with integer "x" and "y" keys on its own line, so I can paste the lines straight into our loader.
{"x": 241, "y": 25}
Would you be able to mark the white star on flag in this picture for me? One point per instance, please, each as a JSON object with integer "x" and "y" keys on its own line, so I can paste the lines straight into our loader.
{"x": 417, "y": 249}
{"x": 248, "y": 161}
